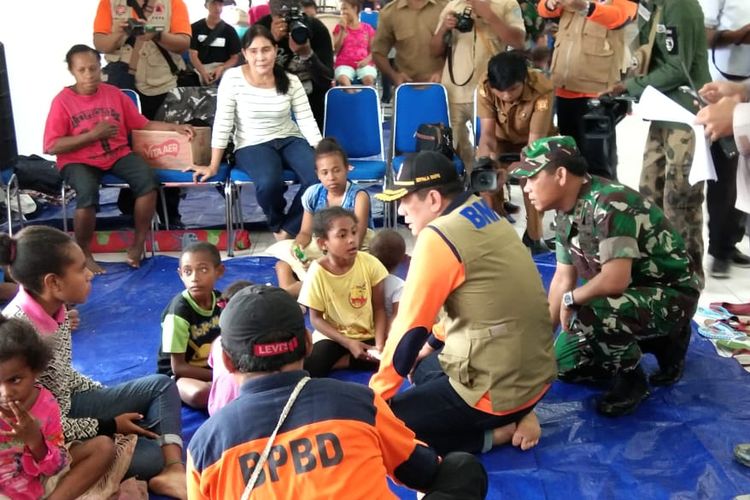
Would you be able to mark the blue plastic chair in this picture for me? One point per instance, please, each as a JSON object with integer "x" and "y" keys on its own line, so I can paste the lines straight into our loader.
{"x": 353, "y": 118}
{"x": 232, "y": 190}
{"x": 370, "y": 18}
{"x": 413, "y": 105}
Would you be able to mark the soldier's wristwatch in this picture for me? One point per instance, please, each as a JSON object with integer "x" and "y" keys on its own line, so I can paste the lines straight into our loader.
{"x": 568, "y": 300}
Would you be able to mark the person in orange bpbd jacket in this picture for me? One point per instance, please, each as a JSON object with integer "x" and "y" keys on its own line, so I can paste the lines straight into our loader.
{"x": 292, "y": 437}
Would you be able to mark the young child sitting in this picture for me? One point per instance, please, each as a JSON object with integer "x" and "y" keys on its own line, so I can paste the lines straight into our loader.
{"x": 223, "y": 386}
{"x": 334, "y": 190}
{"x": 190, "y": 323}
{"x": 352, "y": 43}
{"x": 32, "y": 446}
{"x": 344, "y": 293}
{"x": 389, "y": 247}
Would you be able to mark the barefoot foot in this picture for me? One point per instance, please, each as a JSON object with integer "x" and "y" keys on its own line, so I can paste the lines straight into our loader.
{"x": 135, "y": 256}
{"x": 502, "y": 435}
{"x": 170, "y": 483}
{"x": 93, "y": 266}
{"x": 528, "y": 432}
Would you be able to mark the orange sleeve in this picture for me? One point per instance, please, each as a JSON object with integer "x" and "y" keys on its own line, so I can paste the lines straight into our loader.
{"x": 193, "y": 481}
{"x": 424, "y": 294}
{"x": 103, "y": 19}
{"x": 180, "y": 22}
{"x": 543, "y": 11}
{"x": 615, "y": 15}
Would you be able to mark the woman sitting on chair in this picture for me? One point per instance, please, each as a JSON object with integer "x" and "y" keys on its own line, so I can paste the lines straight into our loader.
{"x": 257, "y": 101}
{"x": 87, "y": 128}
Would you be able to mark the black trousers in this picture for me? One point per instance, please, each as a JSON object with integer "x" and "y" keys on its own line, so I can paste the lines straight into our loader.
{"x": 725, "y": 223}
{"x": 327, "y": 352}
{"x": 460, "y": 476}
{"x": 601, "y": 154}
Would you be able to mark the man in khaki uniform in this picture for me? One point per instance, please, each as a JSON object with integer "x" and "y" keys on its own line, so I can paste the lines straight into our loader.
{"x": 497, "y": 24}
{"x": 407, "y": 26}
{"x": 514, "y": 104}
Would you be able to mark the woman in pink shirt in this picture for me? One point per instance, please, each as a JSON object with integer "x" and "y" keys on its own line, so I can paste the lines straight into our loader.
{"x": 351, "y": 43}
{"x": 87, "y": 128}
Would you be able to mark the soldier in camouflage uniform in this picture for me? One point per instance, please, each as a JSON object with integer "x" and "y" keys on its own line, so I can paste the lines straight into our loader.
{"x": 678, "y": 59}
{"x": 639, "y": 289}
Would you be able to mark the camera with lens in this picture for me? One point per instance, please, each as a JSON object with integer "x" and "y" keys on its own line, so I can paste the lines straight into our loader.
{"x": 483, "y": 177}
{"x": 464, "y": 21}
{"x": 295, "y": 21}
{"x": 138, "y": 28}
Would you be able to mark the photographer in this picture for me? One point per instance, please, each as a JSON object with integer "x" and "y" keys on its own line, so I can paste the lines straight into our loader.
{"x": 304, "y": 49}
{"x": 588, "y": 58}
{"x": 143, "y": 44}
{"x": 514, "y": 103}
{"x": 470, "y": 32}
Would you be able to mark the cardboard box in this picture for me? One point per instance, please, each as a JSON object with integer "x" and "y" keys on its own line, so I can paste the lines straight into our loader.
{"x": 171, "y": 150}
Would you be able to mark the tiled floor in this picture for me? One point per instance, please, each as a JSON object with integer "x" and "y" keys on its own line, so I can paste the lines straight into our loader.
{"x": 631, "y": 135}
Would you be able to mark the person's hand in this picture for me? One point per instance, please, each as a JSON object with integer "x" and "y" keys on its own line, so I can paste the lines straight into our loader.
{"x": 23, "y": 426}
{"x": 121, "y": 27}
{"x": 75, "y": 318}
{"x": 359, "y": 349}
{"x": 401, "y": 78}
{"x": 566, "y": 316}
{"x": 206, "y": 77}
{"x": 185, "y": 130}
{"x": 361, "y": 64}
{"x": 436, "y": 77}
{"x": 279, "y": 29}
{"x": 302, "y": 50}
{"x": 552, "y": 4}
{"x": 615, "y": 90}
{"x": 104, "y": 130}
{"x": 717, "y": 118}
{"x": 216, "y": 73}
{"x": 572, "y": 4}
{"x": 126, "y": 424}
{"x": 449, "y": 23}
{"x": 425, "y": 351}
{"x": 481, "y": 8}
{"x": 712, "y": 92}
{"x": 201, "y": 174}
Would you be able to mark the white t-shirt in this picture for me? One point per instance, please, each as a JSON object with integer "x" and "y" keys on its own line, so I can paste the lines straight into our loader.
{"x": 728, "y": 15}
{"x": 393, "y": 286}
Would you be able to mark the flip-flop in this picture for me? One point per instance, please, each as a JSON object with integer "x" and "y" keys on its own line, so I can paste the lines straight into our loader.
{"x": 737, "y": 309}
{"x": 714, "y": 312}
{"x": 719, "y": 331}
{"x": 733, "y": 345}
{"x": 735, "y": 323}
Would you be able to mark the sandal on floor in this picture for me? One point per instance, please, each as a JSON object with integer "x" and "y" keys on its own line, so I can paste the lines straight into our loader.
{"x": 738, "y": 309}
{"x": 716, "y": 312}
{"x": 740, "y": 325}
{"x": 719, "y": 331}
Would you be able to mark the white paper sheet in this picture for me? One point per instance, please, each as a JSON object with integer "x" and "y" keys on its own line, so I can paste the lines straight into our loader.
{"x": 655, "y": 106}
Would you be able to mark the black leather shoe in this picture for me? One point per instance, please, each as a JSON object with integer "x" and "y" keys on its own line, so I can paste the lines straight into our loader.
{"x": 511, "y": 208}
{"x": 668, "y": 375}
{"x": 536, "y": 247}
{"x": 627, "y": 392}
{"x": 739, "y": 259}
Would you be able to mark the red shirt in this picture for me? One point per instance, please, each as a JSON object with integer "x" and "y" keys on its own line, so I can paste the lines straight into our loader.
{"x": 72, "y": 114}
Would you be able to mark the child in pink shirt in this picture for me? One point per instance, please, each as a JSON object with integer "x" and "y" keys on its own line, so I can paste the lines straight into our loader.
{"x": 32, "y": 445}
{"x": 352, "y": 41}
{"x": 223, "y": 387}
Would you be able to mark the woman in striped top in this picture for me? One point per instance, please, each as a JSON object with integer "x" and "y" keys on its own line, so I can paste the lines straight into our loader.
{"x": 267, "y": 114}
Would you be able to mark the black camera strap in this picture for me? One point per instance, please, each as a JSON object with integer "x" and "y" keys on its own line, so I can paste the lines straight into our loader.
{"x": 450, "y": 61}
{"x": 212, "y": 35}
{"x": 728, "y": 76}
{"x": 139, "y": 11}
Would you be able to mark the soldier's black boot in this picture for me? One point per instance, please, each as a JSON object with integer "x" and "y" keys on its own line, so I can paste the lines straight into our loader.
{"x": 627, "y": 392}
{"x": 671, "y": 358}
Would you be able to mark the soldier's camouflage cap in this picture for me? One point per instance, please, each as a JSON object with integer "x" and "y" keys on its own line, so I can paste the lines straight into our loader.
{"x": 560, "y": 149}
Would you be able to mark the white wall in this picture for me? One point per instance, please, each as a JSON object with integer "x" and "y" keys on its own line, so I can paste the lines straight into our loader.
{"x": 37, "y": 34}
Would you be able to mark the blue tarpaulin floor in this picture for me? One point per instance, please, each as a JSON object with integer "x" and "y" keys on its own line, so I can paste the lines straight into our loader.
{"x": 677, "y": 445}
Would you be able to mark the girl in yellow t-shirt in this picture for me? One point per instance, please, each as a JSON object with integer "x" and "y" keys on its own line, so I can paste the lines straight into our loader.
{"x": 344, "y": 293}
